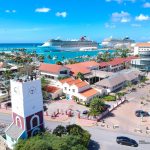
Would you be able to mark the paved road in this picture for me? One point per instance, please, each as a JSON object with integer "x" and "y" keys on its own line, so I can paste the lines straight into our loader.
{"x": 102, "y": 139}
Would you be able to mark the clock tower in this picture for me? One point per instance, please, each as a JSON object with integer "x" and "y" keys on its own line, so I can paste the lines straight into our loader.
{"x": 27, "y": 110}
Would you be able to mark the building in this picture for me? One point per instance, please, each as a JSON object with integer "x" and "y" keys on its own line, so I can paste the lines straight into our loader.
{"x": 7, "y": 67}
{"x": 143, "y": 62}
{"x": 116, "y": 64}
{"x": 117, "y": 43}
{"x": 78, "y": 89}
{"x": 118, "y": 80}
{"x": 53, "y": 92}
{"x": 83, "y": 67}
{"x": 27, "y": 110}
{"x": 53, "y": 71}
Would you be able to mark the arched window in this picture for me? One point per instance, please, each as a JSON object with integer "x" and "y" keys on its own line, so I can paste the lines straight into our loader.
{"x": 18, "y": 122}
{"x": 35, "y": 121}
{"x": 35, "y": 131}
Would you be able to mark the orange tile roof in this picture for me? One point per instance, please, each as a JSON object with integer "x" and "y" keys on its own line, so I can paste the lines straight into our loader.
{"x": 66, "y": 80}
{"x": 51, "y": 89}
{"x": 81, "y": 84}
{"x": 82, "y": 67}
{"x": 1, "y": 64}
{"x": 89, "y": 92}
{"x": 143, "y": 44}
{"x": 116, "y": 61}
{"x": 52, "y": 68}
{"x": 77, "y": 82}
{"x": 76, "y": 70}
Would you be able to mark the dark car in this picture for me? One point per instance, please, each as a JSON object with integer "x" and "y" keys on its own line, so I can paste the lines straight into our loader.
{"x": 126, "y": 141}
{"x": 45, "y": 108}
{"x": 85, "y": 112}
{"x": 141, "y": 113}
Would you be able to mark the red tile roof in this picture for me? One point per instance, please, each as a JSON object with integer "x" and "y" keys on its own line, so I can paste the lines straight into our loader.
{"x": 52, "y": 68}
{"x": 89, "y": 93}
{"x": 116, "y": 61}
{"x": 66, "y": 80}
{"x": 51, "y": 89}
{"x": 77, "y": 82}
{"x": 81, "y": 84}
{"x": 82, "y": 67}
{"x": 143, "y": 44}
{"x": 1, "y": 64}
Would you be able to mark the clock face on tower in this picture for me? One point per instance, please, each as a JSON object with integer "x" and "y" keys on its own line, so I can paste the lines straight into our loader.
{"x": 32, "y": 90}
{"x": 16, "y": 90}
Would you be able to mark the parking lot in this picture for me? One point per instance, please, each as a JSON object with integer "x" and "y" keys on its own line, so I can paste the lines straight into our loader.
{"x": 124, "y": 116}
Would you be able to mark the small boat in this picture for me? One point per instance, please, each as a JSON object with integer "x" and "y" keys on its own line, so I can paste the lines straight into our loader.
{"x": 55, "y": 57}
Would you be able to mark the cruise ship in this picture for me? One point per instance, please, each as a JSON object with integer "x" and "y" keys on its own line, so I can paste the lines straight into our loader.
{"x": 117, "y": 43}
{"x": 66, "y": 45}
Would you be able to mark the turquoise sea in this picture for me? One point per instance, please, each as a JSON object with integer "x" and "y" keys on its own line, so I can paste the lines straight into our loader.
{"x": 55, "y": 55}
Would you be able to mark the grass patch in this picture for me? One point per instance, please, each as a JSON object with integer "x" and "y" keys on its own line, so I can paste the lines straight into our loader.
{"x": 109, "y": 98}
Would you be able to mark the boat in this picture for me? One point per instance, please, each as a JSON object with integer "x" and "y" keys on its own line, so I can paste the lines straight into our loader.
{"x": 55, "y": 57}
{"x": 71, "y": 45}
{"x": 114, "y": 43}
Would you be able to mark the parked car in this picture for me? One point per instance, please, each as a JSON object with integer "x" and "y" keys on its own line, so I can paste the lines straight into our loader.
{"x": 45, "y": 108}
{"x": 126, "y": 141}
{"x": 141, "y": 113}
{"x": 133, "y": 90}
{"x": 85, "y": 112}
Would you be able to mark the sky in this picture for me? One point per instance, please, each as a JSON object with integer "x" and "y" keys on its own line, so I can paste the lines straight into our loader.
{"x": 40, "y": 20}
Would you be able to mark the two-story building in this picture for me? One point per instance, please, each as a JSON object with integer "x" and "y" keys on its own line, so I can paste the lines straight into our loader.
{"x": 116, "y": 64}
{"x": 143, "y": 62}
{"x": 78, "y": 89}
{"x": 83, "y": 67}
{"x": 53, "y": 71}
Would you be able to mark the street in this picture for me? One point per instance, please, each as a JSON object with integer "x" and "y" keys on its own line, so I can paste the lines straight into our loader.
{"x": 101, "y": 139}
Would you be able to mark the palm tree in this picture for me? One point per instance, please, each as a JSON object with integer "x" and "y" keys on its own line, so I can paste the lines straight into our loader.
{"x": 96, "y": 106}
{"x": 80, "y": 76}
{"x": 49, "y": 57}
{"x": 7, "y": 74}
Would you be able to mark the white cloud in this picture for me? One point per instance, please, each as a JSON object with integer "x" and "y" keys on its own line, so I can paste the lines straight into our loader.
{"x": 136, "y": 25}
{"x": 146, "y": 5}
{"x": 120, "y": 1}
{"x": 61, "y": 14}
{"x": 10, "y": 11}
{"x": 111, "y": 26}
{"x": 142, "y": 17}
{"x": 43, "y": 10}
{"x": 122, "y": 17}
{"x": 13, "y": 11}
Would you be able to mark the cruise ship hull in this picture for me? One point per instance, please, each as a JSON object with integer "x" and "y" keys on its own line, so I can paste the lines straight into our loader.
{"x": 60, "y": 45}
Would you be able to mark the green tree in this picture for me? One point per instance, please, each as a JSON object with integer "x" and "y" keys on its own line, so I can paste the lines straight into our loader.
{"x": 44, "y": 82}
{"x": 96, "y": 106}
{"x": 75, "y": 139}
{"x": 7, "y": 74}
{"x": 80, "y": 76}
{"x": 59, "y": 130}
{"x": 76, "y": 130}
{"x": 59, "y": 63}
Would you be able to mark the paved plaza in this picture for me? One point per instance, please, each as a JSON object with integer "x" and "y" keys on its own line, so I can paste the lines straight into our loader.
{"x": 123, "y": 118}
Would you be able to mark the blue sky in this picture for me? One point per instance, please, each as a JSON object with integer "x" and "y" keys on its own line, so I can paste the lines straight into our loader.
{"x": 39, "y": 20}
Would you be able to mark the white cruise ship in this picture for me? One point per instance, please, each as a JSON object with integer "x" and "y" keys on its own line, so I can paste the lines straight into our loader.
{"x": 81, "y": 44}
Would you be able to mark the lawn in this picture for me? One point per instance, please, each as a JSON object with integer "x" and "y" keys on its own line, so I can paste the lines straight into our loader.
{"x": 109, "y": 98}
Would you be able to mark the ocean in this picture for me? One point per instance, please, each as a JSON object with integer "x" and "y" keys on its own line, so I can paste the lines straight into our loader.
{"x": 55, "y": 55}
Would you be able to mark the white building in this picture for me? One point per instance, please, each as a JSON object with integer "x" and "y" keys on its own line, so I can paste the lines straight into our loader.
{"x": 118, "y": 80}
{"x": 143, "y": 62}
{"x": 53, "y": 71}
{"x": 27, "y": 110}
{"x": 78, "y": 89}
